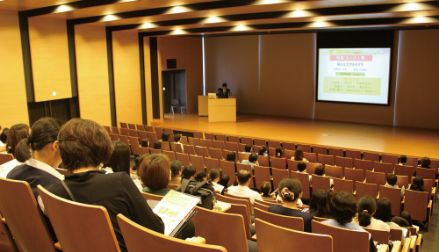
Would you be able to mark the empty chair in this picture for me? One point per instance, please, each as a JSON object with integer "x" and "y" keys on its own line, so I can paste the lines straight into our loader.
{"x": 241, "y": 147}
{"x": 402, "y": 181}
{"x": 125, "y": 139}
{"x": 206, "y": 142}
{"x": 319, "y": 150}
{"x": 260, "y": 142}
{"x": 140, "y": 127}
{"x": 124, "y": 132}
{"x": 201, "y": 151}
{"x": 247, "y": 140}
{"x": 334, "y": 171}
{"x": 155, "y": 151}
{"x": 375, "y": 177}
{"x": 123, "y": 125}
{"x": 139, "y": 239}
{"x": 69, "y": 220}
{"x": 426, "y": 173}
{"x": 215, "y": 153}
{"x": 394, "y": 195}
{"x": 412, "y": 161}
{"x": 364, "y": 189}
{"x": 152, "y": 138}
{"x": 405, "y": 170}
{"x": 383, "y": 167}
{"x": 131, "y": 126}
{"x": 22, "y": 214}
{"x": 288, "y": 153}
{"x": 189, "y": 149}
{"x": 114, "y": 130}
{"x": 292, "y": 164}
{"x": 389, "y": 158}
{"x": 380, "y": 236}
{"x": 417, "y": 204}
{"x": 231, "y": 146}
{"x": 198, "y": 134}
{"x": 289, "y": 146}
{"x": 396, "y": 234}
{"x": 272, "y": 238}
{"x": 320, "y": 183}
{"x": 311, "y": 167}
{"x": 304, "y": 147}
{"x": 336, "y": 152}
{"x": 222, "y": 229}
{"x": 233, "y": 139}
{"x": 218, "y": 144}
{"x": 243, "y": 156}
{"x": 183, "y": 158}
{"x": 278, "y": 162}
{"x": 263, "y": 161}
{"x": 344, "y": 161}
{"x": 211, "y": 163}
{"x": 209, "y": 136}
{"x": 220, "y": 137}
{"x": 311, "y": 157}
{"x": 296, "y": 223}
{"x": 169, "y": 154}
{"x": 343, "y": 185}
{"x": 177, "y": 147}
{"x": 261, "y": 174}
{"x": 228, "y": 168}
{"x": 371, "y": 156}
{"x": 278, "y": 175}
{"x": 354, "y": 174}
{"x": 364, "y": 164}
{"x": 194, "y": 141}
{"x": 343, "y": 239}
{"x": 274, "y": 144}
{"x": 197, "y": 162}
{"x": 165, "y": 145}
{"x": 133, "y": 133}
{"x": 326, "y": 159}
{"x": 5, "y": 158}
{"x": 353, "y": 154}
{"x": 304, "y": 179}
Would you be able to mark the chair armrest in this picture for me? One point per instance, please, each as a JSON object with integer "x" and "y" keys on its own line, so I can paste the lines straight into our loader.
{"x": 383, "y": 248}
{"x": 406, "y": 247}
{"x": 397, "y": 246}
{"x": 419, "y": 242}
{"x": 413, "y": 243}
{"x": 57, "y": 246}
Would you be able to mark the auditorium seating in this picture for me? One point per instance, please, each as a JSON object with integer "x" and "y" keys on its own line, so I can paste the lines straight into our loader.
{"x": 290, "y": 222}
{"x": 320, "y": 183}
{"x": 394, "y": 195}
{"x": 5, "y": 158}
{"x": 380, "y": 236}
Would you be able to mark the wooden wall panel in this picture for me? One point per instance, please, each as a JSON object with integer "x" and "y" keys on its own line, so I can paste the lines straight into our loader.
{"x": 50, "y": 58}
{"x": 148, "y": 89}
{"x": 13, "y": 101}
{"x": 127, "y": 77}
{"x": 92, "y": 70}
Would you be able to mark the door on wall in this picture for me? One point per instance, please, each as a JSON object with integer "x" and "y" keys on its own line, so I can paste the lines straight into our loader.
{"x": 174, "y": 91}
{"x": 62, "y": 110}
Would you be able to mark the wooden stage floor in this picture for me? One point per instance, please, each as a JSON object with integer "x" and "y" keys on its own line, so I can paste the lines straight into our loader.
{"x": 414, "y": 142}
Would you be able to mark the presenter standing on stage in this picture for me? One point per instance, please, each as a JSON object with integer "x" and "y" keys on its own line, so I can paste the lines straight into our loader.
{"x": 224, "y": 92}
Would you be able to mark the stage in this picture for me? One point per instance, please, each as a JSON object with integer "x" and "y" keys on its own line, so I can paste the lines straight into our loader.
{"x": 413, "y": 142}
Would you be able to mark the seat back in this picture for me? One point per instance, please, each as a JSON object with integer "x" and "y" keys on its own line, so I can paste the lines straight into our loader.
{"x": 77, "y": 224}
{"x": 394, "y": 195}
{"x": 304, "y": 147}
{"x": 261, "y": 174}
{"x": 5, "y": 158}
{"x": 238, "y": 201}
{"x": 183, "y": 158}
{"x": 150, "y": 196}
{"x": 343, "y": 185}
{"x": 396, "y": 234}
{"x": 364, "y": 189}
{"x": 233, "y": 139}
{"x": 211, "y": 163}
{"x": 189, "y": 149}
{"x": 380, "y": 236}
{"x": 280, "y": 163}
{"x": 384, "y": 167}
{"x": 343, "y": 239}
{"x": 389, "y": 158}
{"x": 376, "y": 177}
{"x": 170, "y": 154}
{"x": 228, "y": 168}
{"x": 201, "y": 151}
{"x": 354, "y": 174}
{"x": 263, "y": 161}
{"x": 326, "y": 159}
{"x": 218, "y": 144}
{"x": 353, "y": 154}
{"x": 334, "y": 171}
{"x": 364, "y": 164}
{"x": 319, "y": 150}
{"x": 311, "y": 157}
{"x": 304, "y": 179}
{"x": 275, "y": 238}
{"x": 197, "y": 162}
{"x": 426, "y": 173}
{"x": 7, "y": 243}
{"x": 402, "y": 180}
{"x": 247, "y": 140}
{"x": 371, "y": 156}
{"x": 278, "y": 175}
{"x": 215, "y": 153}
{"x": 344, "y": 161}
{"x": 320, "y": 183}
{"x": 416, "y": 204}
{"x": 23, "y": 216}
{"x": 221, "y": 229}
{"x": 405, "y": 170}
{"x": 336, "y": 152}
{"x": 290, "y": 222}
{"x": 138, "y": 239}
{"x": 231, "y": 146}
{"x": 262, "y": 205}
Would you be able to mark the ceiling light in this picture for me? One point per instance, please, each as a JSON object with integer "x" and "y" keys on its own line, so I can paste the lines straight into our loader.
{"x": 320, "y": 23}
{"x": 147, "y": 25}
{"x": 63, "y": 8}
{"x": 420, "y": 20}
{"x": 241, "y": 27}
{"x": 270, "y": 1}
{"x": 412, "y": 7}
{"x": 178, "y": 9}
{"x": 178, "y": 32}
{"x": 214, "y": 19}
{"x": 298, "y": 14}
{"x": 108, "y": 18}
{"x": 127, "y": 1}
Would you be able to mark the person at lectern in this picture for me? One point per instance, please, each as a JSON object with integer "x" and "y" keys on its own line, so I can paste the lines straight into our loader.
{"x": 224, "y": 92}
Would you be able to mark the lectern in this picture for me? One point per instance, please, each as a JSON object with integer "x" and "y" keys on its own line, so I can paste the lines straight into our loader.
{"x": 217, "y": 110}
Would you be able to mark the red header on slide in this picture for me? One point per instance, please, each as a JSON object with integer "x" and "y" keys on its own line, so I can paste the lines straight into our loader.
{"x": 351, "y": 58}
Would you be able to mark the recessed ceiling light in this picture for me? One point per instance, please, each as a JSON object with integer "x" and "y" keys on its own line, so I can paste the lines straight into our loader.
{"x": 298, "y": 14}
{"x": 420, "y": 20}
{"x": 127, "y": 1}
{"x": 63, "y": 8}
{"x": 147, "y": 25}
{"x": 320, "y": 23}
{"x": 178, "y": 32}
{"x": 241, "y": 27}
{"x": 178, "y": 9}
{"x": 110, "y": 17}
{"x": 270, "y": 1}
{"x": 214, "y": 19}
{"x": 411, "y": 7}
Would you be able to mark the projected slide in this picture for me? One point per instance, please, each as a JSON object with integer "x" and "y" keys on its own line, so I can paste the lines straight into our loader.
{"x": 359, "y": 75}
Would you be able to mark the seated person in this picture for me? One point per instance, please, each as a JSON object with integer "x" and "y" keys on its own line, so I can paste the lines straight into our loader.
{"x": 252, "y": 160}
{"x": 201, "y": 176}
{"x": 3, "y": 139}
{"x": 177, "y": 138}
{"x": 21, "y": 154}
{"x": 157, "y": 145}
{"x": 318, "y": 205}
{"x": 263, "y": 151}
{"x": 40, "y": 169}
{"x": 175, "y": 174}
{"x": 298, "y": 156}
{"x": 366, "y": 210}
{"x": 84, "y": 145}
{"x": 402, "y": 160}
{"x": 384, "y": 213}
{"x": 215, "y": 177}
{"x": 392, "y": 180}
{"x": 279, "y": 152}
{"x": 320, "y": 171}
{"x": 224, "y": 92}
{"x": 120, "y": 158}
{"x": 243, "y": 188}
{"x": 290, "y": 190}
{"x": 425, "y": 162}
{"x": 231, "y": 156}
{"x": 417, "y": 184}
{"x": 156, "y": 172}
{"x": 266, "y": 190}
{"x": 188, "y": 172}
{"x": 15, "y": 134}
{"x": 301, "y": 167}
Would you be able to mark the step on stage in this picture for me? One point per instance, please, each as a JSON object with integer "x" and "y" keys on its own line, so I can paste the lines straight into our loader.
{"x": 413, "y": 142}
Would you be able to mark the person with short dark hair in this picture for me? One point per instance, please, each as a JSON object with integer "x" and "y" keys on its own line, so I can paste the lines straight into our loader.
{"x": 384, "y": 213}
{"x": 279, "y": 152}
{"x": 15, "y": 134}
{"x": 392, "y": 180}
{"x": 266, "y": 190}
{"x": 165, "y": 137}
{"x": 188, "y": 172}
{"x": 298, "y": 156}
{"x": 243, "y": 188}
{"x": 318, "y": 205}
{"x": 215, "y": 177}
{"x": 120, "y": 158}
{"x": 417, "y": 184}
{"x": 402, "y": 160}
{"x": 425, "y": 162}
{"x": 157, "y": 145}
{"x": 224, "y": 92}
{"x": 175, "y": 174}
{"x": 301, "y": 167}
{"x": 252, "y": 160}
{"x": 366, "y": 210}
{"x": 40, "y": 169}
{"x": 248, "y": 148}
{"x": 201, "y": 176}
{"x": 290, "y": 190}
{"x": 319, "y": 170}
{"x": 3, "y": 139}
{"x": 156, "y": 172}
{"x": 231, "y": 156}
{"x": 263, "y": 151}
{"x": 22, "y": 154}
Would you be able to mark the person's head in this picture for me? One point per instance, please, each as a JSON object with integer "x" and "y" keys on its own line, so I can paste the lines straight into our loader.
{"x": 4, "y": 135}
{"x": 298, "y": 155}
{"x": 263, "y": 150}
{"x": 279, "y": 152}
{"x": 400, "y": 221}
{"x": 266, "y": 188}
{"x": 253, "y": 158}
{"x": 425, "y": 162}
{"x": 144, "y": 142}
{"x": 319, "y": 203}
{"x": 224, "y": 85}
{"x": 22, "y": 151}
{"x": 392, "y": 179}
{"x": 165, "y": 137}
{"x": 407, "y": 216}
{"x": 215, "y": 175}
{"x": 402, "y": 159}
{"x": 15, "y": 134}
{"x": 177, "y": 137}
{"x": 224, "y": 181}
{"x": 248, "y": 148}
{"x": 384, "y": 210}
{"x": 120, "y": 158}
{"x": 244, "y": 177}
{"x": 366, "y": 209}
{"x": 417, "y": 184}
{"x": 188, "y": 172}
{"x": 157, "y": 145}
{"x": 201, "y": 176}
{"x": 290, "y": 189}
{"x": 231, "y": 156}
{"x": 343, "y": 207}
{"x": 82, "y": 143}
{"x": 301, "y": 166}
{"x": 319, "y": 170}
{"x": 156, "y": 171}
{"x": 175, "y": 168}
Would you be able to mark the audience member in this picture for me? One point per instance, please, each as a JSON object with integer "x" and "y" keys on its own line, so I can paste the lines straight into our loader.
{"x": 263, "y": 151}
{"x": 248, "y": 148}
{"x": 252, "y": 160}
{"x": 392, "y": 180}
{"x": 290, "y": 190}
{"x": 384, "y": 213}
{"x": 175, "y": 174}
{"x": 298, "y": 156}
{"x": 40, "y": 169}
{"x": 343, "y": 209}
{"x": 120, "y": 158}
{"x": 201, "y": 176}
{"x": 15, "y": 134}
{"x": 231, "y": 156}
{"x": 84, "y": 145}
{"x": 301, "y": 167}
{"x": 243, "y": 188}
{"x": 3, "y": 139}
{"x": 417, "y": 184}
{"x": 318, "y": 206}
{"x": 402, "y": 160}
{"x": 266, "y": 190}
{"x": 425, "y": 162}
{"x": 215, "y": 177}
{"x": 366, "y": 210}
{"x": 22, "y": 154}
{"x": 188, "y": 172}
{"x": 156, "y": 172}
{"x": 157, "y": 145}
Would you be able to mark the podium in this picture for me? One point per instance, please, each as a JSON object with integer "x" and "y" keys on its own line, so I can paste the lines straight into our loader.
{"x": 217, "y": 109}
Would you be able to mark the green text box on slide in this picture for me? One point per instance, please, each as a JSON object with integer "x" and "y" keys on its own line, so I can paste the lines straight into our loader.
{"x": 353, "y": 86}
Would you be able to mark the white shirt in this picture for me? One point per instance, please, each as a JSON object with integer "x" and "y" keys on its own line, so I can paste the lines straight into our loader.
{"x": 44, "y": 167}
{"x": 217, "y": 187}
{"x": 378, "y": 225}
{"x": 5, "y": 168}
{"x": 244, "y": 191}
